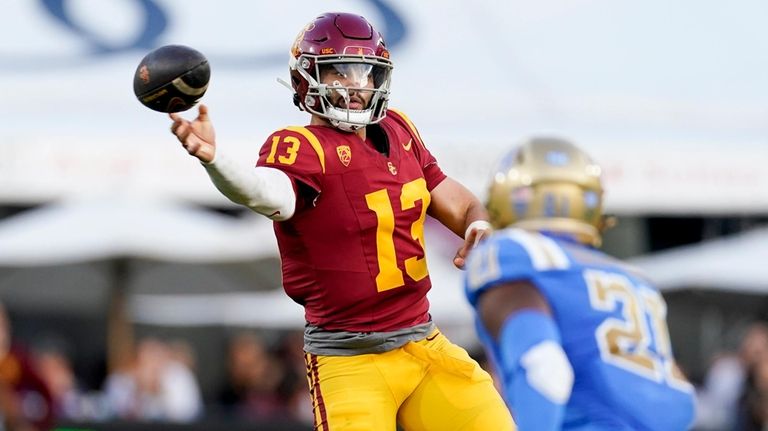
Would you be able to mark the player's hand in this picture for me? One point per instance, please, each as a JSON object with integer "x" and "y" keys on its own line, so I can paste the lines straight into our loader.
{"x": 198, "y": 136}
{"x": 471, "y": 240}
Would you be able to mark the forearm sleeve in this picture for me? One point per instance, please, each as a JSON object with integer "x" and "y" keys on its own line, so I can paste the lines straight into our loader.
{"x": 265, "y": 190}
{"x": 538, "y": 377}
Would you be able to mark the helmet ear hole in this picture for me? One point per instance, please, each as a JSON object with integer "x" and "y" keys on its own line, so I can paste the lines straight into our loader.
{"x": 296, "y": 100}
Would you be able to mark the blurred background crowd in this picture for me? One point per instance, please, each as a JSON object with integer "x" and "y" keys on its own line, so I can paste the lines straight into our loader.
{"x": 152, "y": 379}
{"x": 132, "y": 291}
{"x": 262, "y": 379}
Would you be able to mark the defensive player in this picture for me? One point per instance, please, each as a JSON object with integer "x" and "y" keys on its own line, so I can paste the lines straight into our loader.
{"x": 349, "y": 195}
{"x": 578, "y": 338}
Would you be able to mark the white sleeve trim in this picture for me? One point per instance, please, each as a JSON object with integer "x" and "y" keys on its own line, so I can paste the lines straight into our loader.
{"x": 548, "y": 371}
{"x": 267, "y": 191}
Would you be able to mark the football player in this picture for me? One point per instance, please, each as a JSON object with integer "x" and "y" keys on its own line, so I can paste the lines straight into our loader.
{"x": 578, "y": 338}
{"x": 349, "y": 194}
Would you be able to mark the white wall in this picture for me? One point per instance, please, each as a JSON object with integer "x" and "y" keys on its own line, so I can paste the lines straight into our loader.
{"x": 670, "y": 96}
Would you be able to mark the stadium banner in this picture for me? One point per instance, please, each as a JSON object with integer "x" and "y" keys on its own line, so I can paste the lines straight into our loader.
{"x": 669, "y": 139}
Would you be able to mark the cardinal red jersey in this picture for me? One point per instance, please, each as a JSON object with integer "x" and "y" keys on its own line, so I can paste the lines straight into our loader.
{"x": 354, "y": 255}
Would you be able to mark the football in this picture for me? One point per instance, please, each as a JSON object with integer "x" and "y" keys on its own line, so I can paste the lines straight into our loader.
{"x": 171, "y": 78}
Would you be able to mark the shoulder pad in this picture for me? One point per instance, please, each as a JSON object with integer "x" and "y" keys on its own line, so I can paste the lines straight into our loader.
{"x": 544, "y": 253}
{"x": 406, "y": 122}
{"x": 512, "y": 255}
{"x": 304, "y": 135}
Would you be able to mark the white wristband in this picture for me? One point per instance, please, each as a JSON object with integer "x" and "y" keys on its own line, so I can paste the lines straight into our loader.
{"x": 477, "y": 225}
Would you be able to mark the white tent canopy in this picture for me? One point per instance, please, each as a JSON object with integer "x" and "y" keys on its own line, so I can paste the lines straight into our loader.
{"x": 187, "y": 266}
{"x": 64, "y": 256}
{"x": 734, "y": 263}
{"x": 93, "y": 229}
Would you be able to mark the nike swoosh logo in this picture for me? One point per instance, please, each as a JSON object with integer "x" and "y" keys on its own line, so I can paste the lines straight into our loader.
{"x": 433, "y": 337}
{"x": 408, "y": 145}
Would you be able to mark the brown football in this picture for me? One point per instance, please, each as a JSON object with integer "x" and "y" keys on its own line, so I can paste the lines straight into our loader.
{"x": 171, "y": 78}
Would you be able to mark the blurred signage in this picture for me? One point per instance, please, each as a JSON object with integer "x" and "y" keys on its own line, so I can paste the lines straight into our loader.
{"x": 142, "y": 25}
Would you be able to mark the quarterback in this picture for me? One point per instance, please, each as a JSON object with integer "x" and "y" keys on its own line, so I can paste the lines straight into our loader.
{"x": 578, "y": 338}
{"x": 349, "y": 194}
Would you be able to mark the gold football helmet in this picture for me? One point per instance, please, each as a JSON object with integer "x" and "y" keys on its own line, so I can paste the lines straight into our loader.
{"x": 548, "y": 184}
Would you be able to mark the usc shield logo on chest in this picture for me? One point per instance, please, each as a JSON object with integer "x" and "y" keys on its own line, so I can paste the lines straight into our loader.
{"x": 345, "y": 154}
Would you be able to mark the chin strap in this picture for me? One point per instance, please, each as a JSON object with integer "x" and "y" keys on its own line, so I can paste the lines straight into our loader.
{"x": 347, "y": 120}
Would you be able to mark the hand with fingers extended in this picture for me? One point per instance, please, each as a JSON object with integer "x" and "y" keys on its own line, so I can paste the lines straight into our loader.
{"x": 198, "y": 136}
{"x": 474, "y": 235}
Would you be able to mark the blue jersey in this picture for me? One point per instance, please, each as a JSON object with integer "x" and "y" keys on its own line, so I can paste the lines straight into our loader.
{"x": 612, "y": 324}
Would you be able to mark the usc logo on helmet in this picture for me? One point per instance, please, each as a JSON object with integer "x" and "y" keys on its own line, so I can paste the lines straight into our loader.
{"x": 295, "y": 49}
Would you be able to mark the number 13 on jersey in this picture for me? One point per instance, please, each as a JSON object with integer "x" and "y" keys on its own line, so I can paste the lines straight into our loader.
{"x": 390, "y": 276}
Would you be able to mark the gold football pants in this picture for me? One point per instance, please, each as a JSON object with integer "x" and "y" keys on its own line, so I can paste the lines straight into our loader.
{"x": 428, "y": 385}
